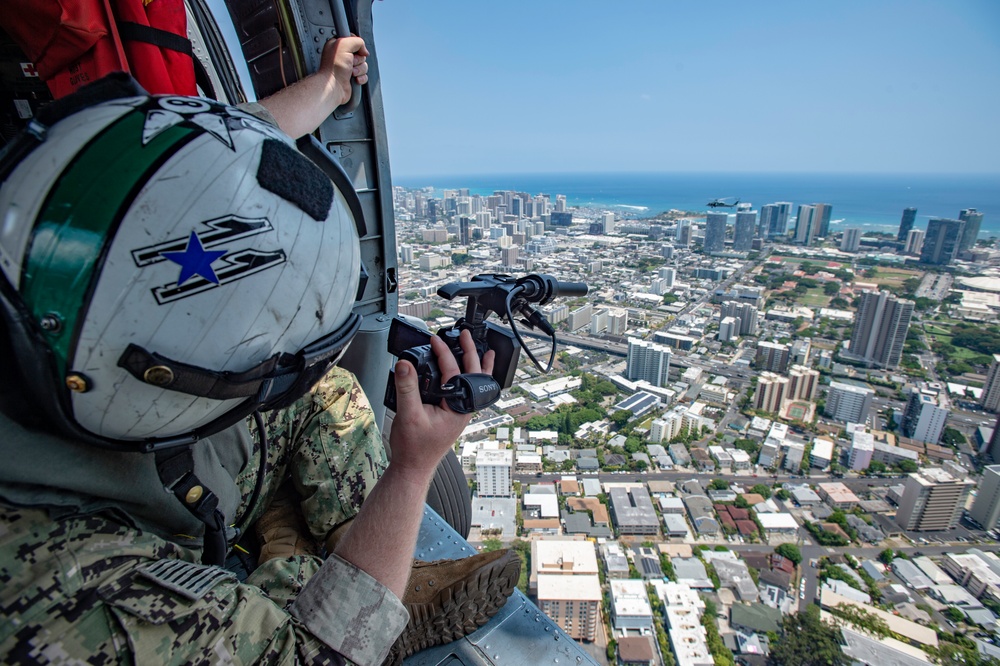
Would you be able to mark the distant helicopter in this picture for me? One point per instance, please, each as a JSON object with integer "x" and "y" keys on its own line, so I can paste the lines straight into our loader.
{"x": 721, "y": 203}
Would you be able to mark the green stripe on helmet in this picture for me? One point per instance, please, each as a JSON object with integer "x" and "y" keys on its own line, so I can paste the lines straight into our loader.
{"x": 79, "y": 219}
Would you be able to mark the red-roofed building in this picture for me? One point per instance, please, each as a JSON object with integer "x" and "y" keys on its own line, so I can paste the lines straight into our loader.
{"x": 746, "y": 527}
{"x": 739, "y": 514}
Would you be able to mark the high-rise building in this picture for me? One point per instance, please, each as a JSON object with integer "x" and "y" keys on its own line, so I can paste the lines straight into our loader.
{"x": 580, "y": 317}
{"x": 609, "y": 222}
{"x": 906, "y": 223}
{"x": 991, "y": 390}
{"x": 746, "y": 222}
{"x": 668, "y": 275}
{"x": 771, "y": 390}
{"x": 924, "y": 417}
{"x": 564, "y": 577}
{"x": 744, "y": 312}
{"x": 880, "y": 328}
{"x": 932, "y": 501}
{"x": 493, "y": 473}
{"x": 851, "y": 242}
{"x": 617, "y": 321}
{"x": 805, "y": 225}
{"x": 823, "y": 212}
{"x": 803, "y": 383}
{"x": 850, "y": 403}
{"x": 729, "y": 329}
{"x": 941, "y": 241}
{"x": 914, "y": 242}
{"x": 509, "y": 256}
{"x": 973, "y": 220}
{"x": 862, "y": 448}
{"x": 771, "y": 356}
{"x": 684, "y": 233}
{"x": 648, "y": 361}
{"x": 464, "y": 226}
{"x": 715, "y": 232}
{"x": 993, "y": 448}
{"x": 599, "y": 321}
{"x": 774, "y": 219}
{"x": 986, "y": 507}
{"x": 799, "y": 354}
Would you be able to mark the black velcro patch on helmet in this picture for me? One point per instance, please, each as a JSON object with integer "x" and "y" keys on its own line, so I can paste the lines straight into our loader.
{"x": 291, "y": 176}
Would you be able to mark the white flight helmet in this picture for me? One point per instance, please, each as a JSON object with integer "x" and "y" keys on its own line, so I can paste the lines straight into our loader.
{"x": 168, "y": 265}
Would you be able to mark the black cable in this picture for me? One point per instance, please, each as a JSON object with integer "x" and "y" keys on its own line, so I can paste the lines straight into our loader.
{"x": 262, "y": 467}
{"x": 517, "y": 334}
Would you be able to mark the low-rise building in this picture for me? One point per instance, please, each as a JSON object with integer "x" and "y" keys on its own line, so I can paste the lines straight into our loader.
{"x": 683, "y": 609}
{"x": 838, "y": 495}
{"x": 821, "y": 454}
{"x": 630, "y": 609}
{"x": 778, "y": 523}
{"x": 632, "y": 510}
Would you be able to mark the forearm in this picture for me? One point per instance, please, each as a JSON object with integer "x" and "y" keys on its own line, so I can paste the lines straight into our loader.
{"x": 383, "y": 535}
{"x": 301, "y": 107}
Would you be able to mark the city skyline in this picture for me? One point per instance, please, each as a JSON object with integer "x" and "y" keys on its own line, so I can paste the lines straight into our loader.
{"x": 895, "y": 87}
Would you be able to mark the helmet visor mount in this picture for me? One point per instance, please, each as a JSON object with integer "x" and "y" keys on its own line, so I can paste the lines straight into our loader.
{"x": 275, "y": 382}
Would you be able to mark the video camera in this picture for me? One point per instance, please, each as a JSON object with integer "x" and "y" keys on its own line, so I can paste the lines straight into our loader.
{"x": 488, "y": 293}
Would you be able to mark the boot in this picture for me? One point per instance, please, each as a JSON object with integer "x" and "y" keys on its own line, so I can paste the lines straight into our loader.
{"x": 449, "y": 599}
{"x": 282, "y": 529}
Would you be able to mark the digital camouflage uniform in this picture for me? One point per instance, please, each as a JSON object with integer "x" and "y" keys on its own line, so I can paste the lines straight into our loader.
{"x": 91, "y": 573}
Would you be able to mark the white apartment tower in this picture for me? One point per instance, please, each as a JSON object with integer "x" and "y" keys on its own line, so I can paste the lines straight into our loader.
{"x": 850, "y": 403}
{"x": 925, "y": 417}
{"x": 932, "y": 501}
{"x": 493, "y": 473}
{"x": 729, "y": 329}
{"x": 914, "y": 242}
{"x": 851, "y": 242}
{"x": 648, "y": 361}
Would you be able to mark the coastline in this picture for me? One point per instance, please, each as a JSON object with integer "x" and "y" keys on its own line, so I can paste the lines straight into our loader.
{"x": 868, "y": 201}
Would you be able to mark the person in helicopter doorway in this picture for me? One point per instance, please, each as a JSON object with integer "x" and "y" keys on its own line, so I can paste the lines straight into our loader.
{"x": 176, "y": 286}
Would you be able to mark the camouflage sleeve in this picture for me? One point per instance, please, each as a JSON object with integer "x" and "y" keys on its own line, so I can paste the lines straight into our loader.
{"x": 88, "y": 590}
{"x": 350, "y": 611}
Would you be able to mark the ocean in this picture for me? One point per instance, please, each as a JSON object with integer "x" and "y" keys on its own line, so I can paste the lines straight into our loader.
{"x": 873, "y": 202}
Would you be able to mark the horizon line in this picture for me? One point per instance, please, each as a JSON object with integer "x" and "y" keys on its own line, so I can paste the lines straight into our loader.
{"x": 505, "y": 174}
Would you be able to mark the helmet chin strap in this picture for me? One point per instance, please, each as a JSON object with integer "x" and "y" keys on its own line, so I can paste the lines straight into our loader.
{"x": 175, "y": 467}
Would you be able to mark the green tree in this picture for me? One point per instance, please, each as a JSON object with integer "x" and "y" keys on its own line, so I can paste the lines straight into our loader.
{"x": 886, "y": 556}
{"x": 952, "y": 437}
{"x": 762, "y": 490}
{"x": 876, "y": 467}
{"x": 718, "y": 484}
{"x": 621, "y": 417}
{"x": 806, "y": 640}
{"x": 954, "y": 614}
{"x": 492, "y": 544}
{"x": 791, "y": 551}
{"x": 863, "y": 619}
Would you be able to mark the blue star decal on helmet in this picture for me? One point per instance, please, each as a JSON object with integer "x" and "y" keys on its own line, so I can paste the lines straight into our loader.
{"x": 195, "y": 260}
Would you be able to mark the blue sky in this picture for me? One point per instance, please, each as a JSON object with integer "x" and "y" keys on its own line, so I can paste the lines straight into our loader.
{"x": 553, "y": 86}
